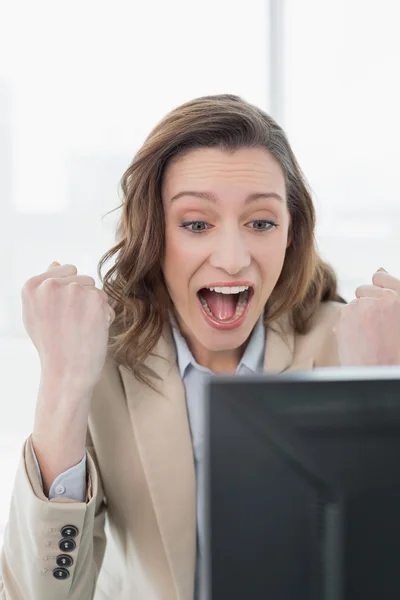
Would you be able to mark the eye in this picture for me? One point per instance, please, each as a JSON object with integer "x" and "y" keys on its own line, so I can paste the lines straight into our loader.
{"x": 197, "y": 226}
{"x": 264, "y": 225}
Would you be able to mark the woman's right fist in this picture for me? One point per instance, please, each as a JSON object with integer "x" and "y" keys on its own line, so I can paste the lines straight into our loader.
{"x": 68, "y": 320}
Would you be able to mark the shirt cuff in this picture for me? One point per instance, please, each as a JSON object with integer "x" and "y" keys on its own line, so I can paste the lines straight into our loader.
{"x": 69, "y": 484}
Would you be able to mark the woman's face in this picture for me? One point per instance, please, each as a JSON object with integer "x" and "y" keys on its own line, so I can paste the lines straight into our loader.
{"x": 226, "y": 225}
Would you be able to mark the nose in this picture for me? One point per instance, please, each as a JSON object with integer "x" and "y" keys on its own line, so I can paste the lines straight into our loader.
{"x": 230, "y": 252}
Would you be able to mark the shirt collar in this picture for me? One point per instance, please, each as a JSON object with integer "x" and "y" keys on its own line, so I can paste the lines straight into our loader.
{"x": 184, "y": 355}
{"x": 252, "y": 358}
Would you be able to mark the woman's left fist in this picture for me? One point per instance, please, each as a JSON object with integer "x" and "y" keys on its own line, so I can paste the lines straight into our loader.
{"x": 368, "y": 329}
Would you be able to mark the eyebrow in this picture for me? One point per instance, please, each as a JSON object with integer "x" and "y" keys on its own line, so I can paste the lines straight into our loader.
{"x": 211, "y": 198}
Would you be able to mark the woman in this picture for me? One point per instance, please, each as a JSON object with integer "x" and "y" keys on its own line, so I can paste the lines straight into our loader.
{"x": 216, "y": 271}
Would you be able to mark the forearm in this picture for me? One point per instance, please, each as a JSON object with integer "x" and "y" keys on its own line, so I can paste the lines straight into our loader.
{"x": 60, "y": 427}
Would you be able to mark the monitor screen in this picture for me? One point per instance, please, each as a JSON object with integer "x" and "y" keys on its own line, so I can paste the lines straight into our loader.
{"x": 302, "y": 494}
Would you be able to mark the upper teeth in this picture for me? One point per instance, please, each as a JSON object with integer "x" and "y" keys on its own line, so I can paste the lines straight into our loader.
{"x": 229, "y": 290}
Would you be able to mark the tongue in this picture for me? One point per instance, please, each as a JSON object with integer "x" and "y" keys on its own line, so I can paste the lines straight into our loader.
{"x": 222, "y": 306}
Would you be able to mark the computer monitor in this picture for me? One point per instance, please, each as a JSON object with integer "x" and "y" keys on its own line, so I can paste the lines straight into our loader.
{"x": 302, "y": 495}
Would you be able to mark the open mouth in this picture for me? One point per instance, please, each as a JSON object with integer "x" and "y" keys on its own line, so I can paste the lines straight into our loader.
{"x": 228, "y": 307}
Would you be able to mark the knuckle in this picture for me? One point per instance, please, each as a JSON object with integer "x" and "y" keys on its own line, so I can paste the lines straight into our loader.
{"x": 359, "y": 291}
{"x": 388, "y": 293}
{"x": 82, "y": 280}
{"x": 70, "y": 269}
{"x": 31, "y": 284}
{"x": 366, "y": 304}
{"x": 390, "y": 298}
{"x": 74, "y": 288}
{"x": 102, "y": 294}
{"x": 27, "y": 289}
{"x": 379, "y": 277}
{"x": 96, "y": 297}
{"x": 49, "y": 284}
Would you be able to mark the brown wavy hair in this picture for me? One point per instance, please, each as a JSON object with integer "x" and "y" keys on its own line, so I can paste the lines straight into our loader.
{"x": 135, "y": 284}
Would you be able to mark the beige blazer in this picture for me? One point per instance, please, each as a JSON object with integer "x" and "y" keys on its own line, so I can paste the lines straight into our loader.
{"x": 139, "y": 521}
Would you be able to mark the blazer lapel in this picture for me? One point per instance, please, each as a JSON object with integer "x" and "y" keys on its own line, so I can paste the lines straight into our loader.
{"x": 161, "y": 427}
{"x": 279, "y": 346}
{"x": 162, "y": 431}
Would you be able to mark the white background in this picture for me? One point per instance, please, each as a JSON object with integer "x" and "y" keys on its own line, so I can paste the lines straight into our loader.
{"x": 82, "y": 84}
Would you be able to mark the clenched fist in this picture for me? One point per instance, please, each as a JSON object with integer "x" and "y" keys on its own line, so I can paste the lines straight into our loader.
{"x": 67, "y": 319}
{"x": 368, "y": 329}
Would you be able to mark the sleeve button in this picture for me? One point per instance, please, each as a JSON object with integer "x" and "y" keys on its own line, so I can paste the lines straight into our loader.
{"x": 67, "y": 545}
{"x": 61, "y": 573}
{"x": 69, "y": 531}
{"x": 63, "y": 560}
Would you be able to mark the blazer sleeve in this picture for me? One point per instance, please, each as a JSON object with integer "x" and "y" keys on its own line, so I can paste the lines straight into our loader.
{"x": 40, "y": 529}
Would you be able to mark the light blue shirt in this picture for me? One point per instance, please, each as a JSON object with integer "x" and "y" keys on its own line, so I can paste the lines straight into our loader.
{"x": 194, "y": 377}
{"x": 72, "y": 483}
